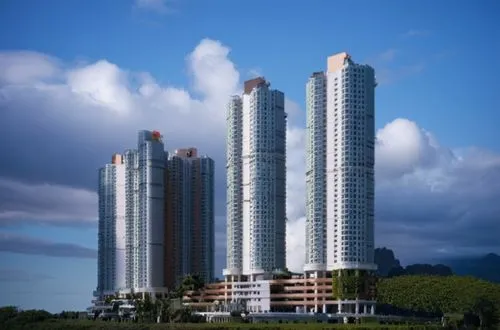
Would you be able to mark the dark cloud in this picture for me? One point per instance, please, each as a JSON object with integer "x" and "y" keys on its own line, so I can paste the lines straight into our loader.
{"x": 72, "y": 122}
{"x": 22, "y": 203}
{"x": 29, "y": 245}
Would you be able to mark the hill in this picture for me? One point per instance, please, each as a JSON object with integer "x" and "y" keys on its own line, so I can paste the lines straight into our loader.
{"x": 389, "y": 266}
{"x": 485, "y": 267}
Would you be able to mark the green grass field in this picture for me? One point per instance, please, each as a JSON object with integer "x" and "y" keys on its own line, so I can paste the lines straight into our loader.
{"x": 91, "y": 325}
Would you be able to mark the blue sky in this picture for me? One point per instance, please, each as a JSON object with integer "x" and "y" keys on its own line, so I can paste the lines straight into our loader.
{"x": 80, "y": 77}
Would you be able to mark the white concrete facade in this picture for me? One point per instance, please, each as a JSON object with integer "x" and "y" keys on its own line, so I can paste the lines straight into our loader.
{"x": 234, "y": 189}
{"x": 316, "y": 173}
{"x": 340, "y": 158}
{"x": 254, "y": 296}
{"x": 144, "y": 204}
{"x": 256, "y": 181}
{"x": 350, "y": 148}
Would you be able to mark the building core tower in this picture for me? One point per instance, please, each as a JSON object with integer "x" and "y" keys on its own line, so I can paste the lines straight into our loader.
{"x": 340, "y": 180}
{"x": 189, "y": 227}
{"x": 256, "y": 182}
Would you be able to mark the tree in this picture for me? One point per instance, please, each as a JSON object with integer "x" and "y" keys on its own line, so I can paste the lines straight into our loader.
{"x": 190, "y": 283}
{"x": 147, "y": 307}
{"x": 163, "y": 309}
{"x": 487, "y": 312}
{"x": 441, "y": 295}
{"x": 8, "y": 313}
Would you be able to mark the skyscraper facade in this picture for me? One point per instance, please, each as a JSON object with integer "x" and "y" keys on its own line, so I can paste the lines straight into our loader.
{"x": 316, "y": 173}
{"x": 148, "y": 228}
{"x": 190, "y": 216}
{"x": 112, "y": 232}
{"x": 256, "y": 182}
{"x": 131, "y": 219}
{"x": 350, "y": 156}
{"x": 340, "y": 170}
{"x": 156, "y": 218}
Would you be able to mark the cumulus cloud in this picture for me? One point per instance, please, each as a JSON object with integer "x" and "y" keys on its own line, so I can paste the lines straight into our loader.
{"x": 62, "y": 122}
{"x": 73, "y": 120}
{"x": 26, "y": 67}
{"x": 431, "y": 202}
{"x": 28, "y": 245}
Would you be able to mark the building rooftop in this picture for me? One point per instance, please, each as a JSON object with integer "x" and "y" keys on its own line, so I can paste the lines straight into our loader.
{"x": 336, "y": 62}
{"x": 249, "y": 85}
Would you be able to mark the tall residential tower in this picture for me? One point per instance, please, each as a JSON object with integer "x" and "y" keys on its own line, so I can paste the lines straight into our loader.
{"x": 156, "y": 219}
{"x": 145, "y": 216}
{"x": 256, "y": 182}
{"x": 190, "y": 216}
{"x": 131, "y": 219}
{"x": 340, "y": 174}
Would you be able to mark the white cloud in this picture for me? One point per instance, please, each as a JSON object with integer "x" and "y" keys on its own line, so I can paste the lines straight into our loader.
{"x": 429, "y": 199}
{"x": 102, "y": 83}
{"x": 113, "y": 102}
{"x": 26, "y": 67}
{"x": 215, "y": 77}
{"x": 99, "y": 107}
{"x": 75, "y": 117}
{"x": 295, "y": 244}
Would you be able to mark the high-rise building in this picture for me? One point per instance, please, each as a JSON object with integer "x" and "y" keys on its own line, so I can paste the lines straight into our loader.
{"x": 111, "y": 237}
{"x": 340, "y": 173}
{"x": 256, "y": 182}
{"x": 316, "y": 173}
{"x": 132, "y": 218}
{"x": 145, "y": 213}
{"x": 156, "y": 218}
{"x": 190, "y": 216}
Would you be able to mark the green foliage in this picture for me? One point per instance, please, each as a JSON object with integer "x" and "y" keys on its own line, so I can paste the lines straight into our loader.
{"x": 190, "y": 283}
{"x": 438, "y": 294}
{"x": 349, "y": 284}
{"x": 69, "y": 315}
{"x": 7, "y": 313}
{"x": 12, "y": 318}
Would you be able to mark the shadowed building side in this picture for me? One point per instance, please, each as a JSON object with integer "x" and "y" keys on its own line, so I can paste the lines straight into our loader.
{"x": 202, "y": 248}
{"x": 189, "y": 217}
